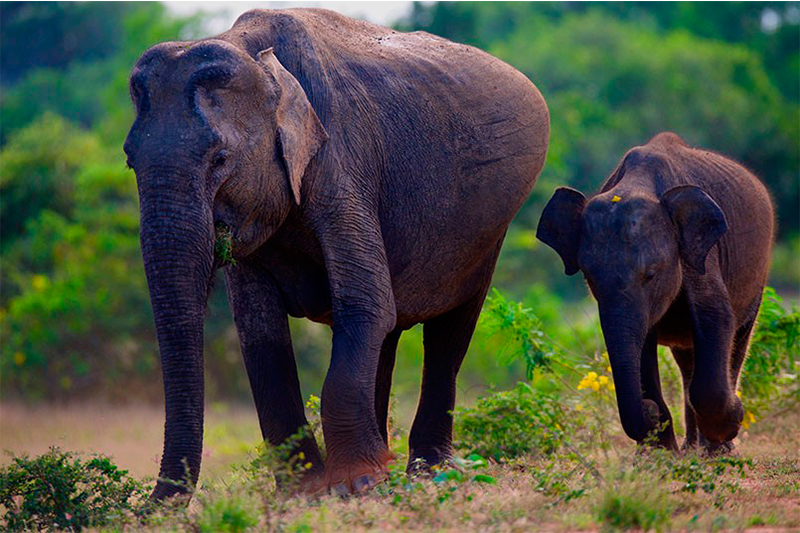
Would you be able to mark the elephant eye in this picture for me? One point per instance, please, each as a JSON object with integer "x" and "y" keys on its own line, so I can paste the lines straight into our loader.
{"x": 649, "y": 275}
{"x": 219, "y": 159}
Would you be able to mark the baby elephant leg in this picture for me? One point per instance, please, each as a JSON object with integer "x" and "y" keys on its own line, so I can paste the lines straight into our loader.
{"x": 685, "y": 359}
{"x": 719, "y": 412}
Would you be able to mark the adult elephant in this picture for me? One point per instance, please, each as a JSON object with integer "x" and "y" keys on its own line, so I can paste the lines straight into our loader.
{"x": 366, "y": 177}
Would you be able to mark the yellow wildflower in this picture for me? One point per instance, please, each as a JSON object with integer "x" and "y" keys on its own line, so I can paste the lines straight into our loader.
{"x": 608, "y": 369}
{"x": 579, "y": 407}
{"x": 603, "y": 380}
{"x": 738, "y": 394}
{"x": 39, "y": 282}
{"x": 749, "y": 419}
{"x": 589, "y": 381}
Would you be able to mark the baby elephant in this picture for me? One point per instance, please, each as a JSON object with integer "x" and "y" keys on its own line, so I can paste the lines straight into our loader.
{"x": 675, "y": 249}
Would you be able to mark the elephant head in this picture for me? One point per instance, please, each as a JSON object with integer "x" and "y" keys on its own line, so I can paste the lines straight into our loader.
{"x": 220, "y": 138}
{"x": 633, "y": 248}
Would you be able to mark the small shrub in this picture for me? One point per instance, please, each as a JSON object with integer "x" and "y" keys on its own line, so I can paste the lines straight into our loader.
{"x": 511, "y": 423}
{"x": 502, "y": 315}
{"x": 771, "y": 375}
{"x": 59, "y": 490}
{"x": 451, "y": 479}
{"x": 281, "y": 464}
{"x": 704, "y": 473}
{"x": 230, "y": 514}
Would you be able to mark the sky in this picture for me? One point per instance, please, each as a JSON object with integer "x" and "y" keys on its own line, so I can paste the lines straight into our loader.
{"x": 383, "y": 13}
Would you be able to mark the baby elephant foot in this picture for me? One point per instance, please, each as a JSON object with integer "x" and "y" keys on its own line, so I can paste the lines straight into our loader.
{"x": 689, "y": 445}
{"x": 717, "y": 449}
{"x": 719, "y": 421}
{"x": 343, "y": 477}
{"x": 663, "y": 434}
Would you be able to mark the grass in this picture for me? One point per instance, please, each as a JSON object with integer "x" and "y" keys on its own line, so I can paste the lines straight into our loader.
{"x": 557, "y": 493}
{"x": 558, "y": 459}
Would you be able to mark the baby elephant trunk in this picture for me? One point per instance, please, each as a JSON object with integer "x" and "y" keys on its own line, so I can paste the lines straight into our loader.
{"x": 625, "y": 335}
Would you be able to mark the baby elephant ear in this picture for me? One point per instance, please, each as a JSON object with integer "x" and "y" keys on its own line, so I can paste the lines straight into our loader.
{"x": 700, "y": 222}
{"x": 300, "y": 133}
{"x": 560, "y": 226}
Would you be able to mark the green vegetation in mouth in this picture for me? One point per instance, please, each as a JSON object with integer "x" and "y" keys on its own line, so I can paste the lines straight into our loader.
{"x": 223, "y": 245}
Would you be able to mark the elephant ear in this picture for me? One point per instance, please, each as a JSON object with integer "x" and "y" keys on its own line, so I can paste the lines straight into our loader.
{"x": 700, "y": 222}
{"x": 300, "y": 133}
{"x": 560, "y": 226}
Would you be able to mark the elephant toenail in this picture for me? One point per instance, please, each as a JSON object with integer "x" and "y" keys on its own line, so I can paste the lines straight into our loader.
{"x": 363, "y": 483}
{"x": 340, "y": 490}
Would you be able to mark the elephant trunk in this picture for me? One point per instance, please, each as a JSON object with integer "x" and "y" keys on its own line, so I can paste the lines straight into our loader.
{"x": 177, "y": 245}
{"x": 625, "y": 336}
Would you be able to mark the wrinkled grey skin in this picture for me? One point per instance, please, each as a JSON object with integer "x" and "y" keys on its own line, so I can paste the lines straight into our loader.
{"x": 675, "y": 248}
{"x": 367, "y": 177}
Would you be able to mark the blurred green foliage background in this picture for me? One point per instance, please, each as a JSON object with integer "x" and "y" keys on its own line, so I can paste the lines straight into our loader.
{"x": 75, "y": 318}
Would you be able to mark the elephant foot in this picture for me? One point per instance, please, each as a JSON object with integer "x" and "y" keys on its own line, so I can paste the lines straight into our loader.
{"x": 689, "y": 445}
{"x": 427, "y": 466}
{"x": 312, "y": 484}
{"x": 306, "y": 469}
{"x": 719, "y": 422}
{"x": 663, "y": 434}
{"x": 343, "y": 478}
{"x": 717, "y": 449}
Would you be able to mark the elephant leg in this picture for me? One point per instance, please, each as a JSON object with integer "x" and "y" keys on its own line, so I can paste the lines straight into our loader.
{"x": 383, "y": 382}
{"x": 263, "y": 326}
{"x": 357, "y": 454}
{"x": 446, "y": 339}
{"x": 364, "y": 314}
{"x": 741, "y": 341}
{"x": 685, "y": 359}
{"x": 719, "y": 412}
{"x": 652, "y": 394}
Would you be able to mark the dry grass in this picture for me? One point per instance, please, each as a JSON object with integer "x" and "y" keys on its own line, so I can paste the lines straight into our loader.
{"x": 767, "y": 498}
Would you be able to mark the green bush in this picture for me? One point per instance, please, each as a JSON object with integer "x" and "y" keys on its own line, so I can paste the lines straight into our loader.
{"x": 60, "y": 490}
{"x": 771, "y": 374}
{"x": 509, "y": 424}
{"x": 512, "y": 318}
{"x": 230, "y": 514}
